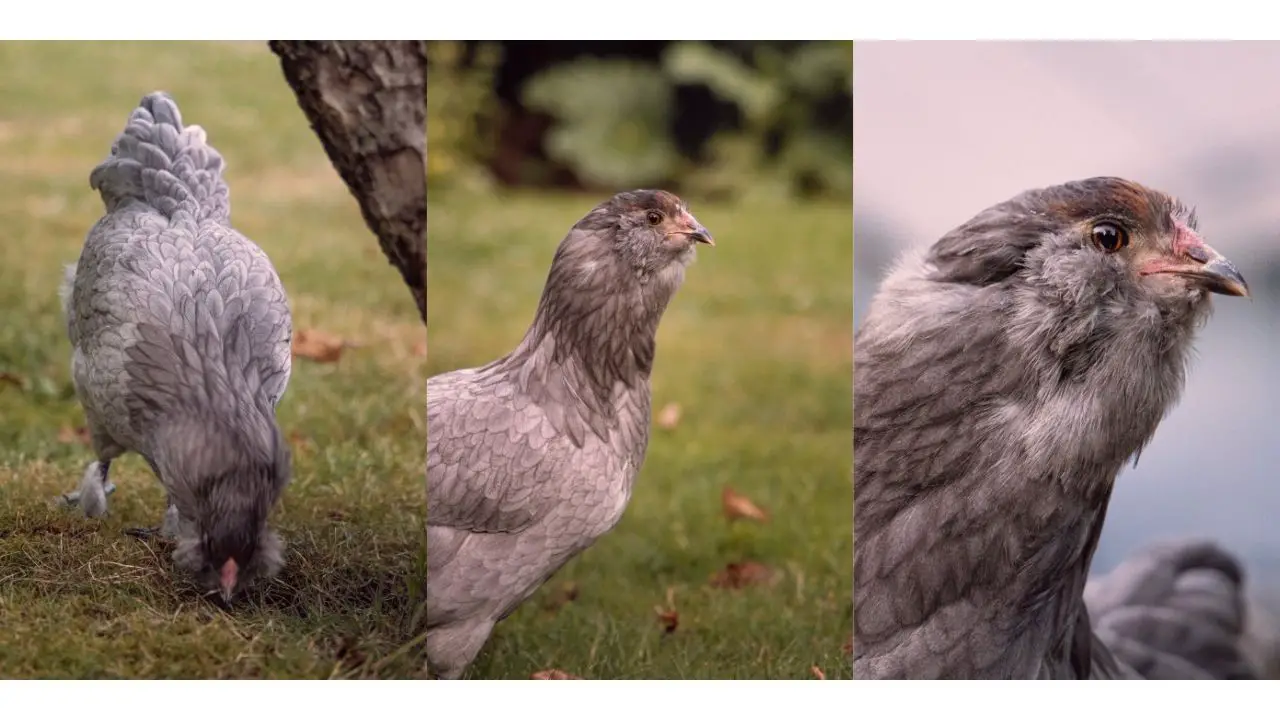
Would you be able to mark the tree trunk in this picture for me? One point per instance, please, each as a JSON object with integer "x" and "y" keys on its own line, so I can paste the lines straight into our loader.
{"x": 367, "y": 102}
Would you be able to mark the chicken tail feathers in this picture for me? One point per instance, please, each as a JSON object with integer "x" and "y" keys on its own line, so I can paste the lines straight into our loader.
{"x": 1176, "y": 611}
{"x": 158, "y": 161}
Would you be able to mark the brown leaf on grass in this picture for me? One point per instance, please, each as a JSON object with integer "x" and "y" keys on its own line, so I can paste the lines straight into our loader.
{"x": 302, "y": 444}
{"x": 740, "y": 575}
{"x": 668, "y": 616}
{"x": 553, "y": 674}
{"x": 318, "y": 345}
{"x": 70, "y": 435}
{"x": 738, "y": 506}
{"x": 565, "y": 594}
{"x": 847, "y": 647}
{"x": 14, "y": 379}
{"x": 817, "y": 672}
{"x": 669, "y": 416}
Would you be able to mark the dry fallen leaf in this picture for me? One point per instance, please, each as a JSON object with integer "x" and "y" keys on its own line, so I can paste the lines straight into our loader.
{"x": 14, "y": 379}
{"x": 668, "y": 616}
{"x": 302, "y": 444}
{"x": 670, "y": 619}
{"x": 553, "y": 674}
{"x": 565, "y": 594}
{"x": 73, "y": 435}
{"x": 817, "y": 672}
{"x": 847, "y": 647}
{"x": 740, "y": 575}
{"x": 318, "y": 345}
{"x": 737, "y": 506}
{"x": 669, "y": 416}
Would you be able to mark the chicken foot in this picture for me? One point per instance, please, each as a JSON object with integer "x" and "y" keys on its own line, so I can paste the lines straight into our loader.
{"x": 168, "y": 527}
{"x": 94, "y": 489}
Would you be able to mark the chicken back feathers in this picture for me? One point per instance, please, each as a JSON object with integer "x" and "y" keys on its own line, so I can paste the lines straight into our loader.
{"x": 181, "y": 337}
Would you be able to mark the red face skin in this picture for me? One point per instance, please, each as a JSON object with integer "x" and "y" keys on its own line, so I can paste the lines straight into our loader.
{"x": 683, "y": 225}
{"x": 1192, "y": 258}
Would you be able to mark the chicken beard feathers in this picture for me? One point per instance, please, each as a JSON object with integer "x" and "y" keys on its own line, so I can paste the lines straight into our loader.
{"x": 189, "y": 555}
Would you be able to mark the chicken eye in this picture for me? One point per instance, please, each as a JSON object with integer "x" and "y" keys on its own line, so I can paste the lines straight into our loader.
{"x": 654, "y": 217}
{"x": 1110, "y": 237}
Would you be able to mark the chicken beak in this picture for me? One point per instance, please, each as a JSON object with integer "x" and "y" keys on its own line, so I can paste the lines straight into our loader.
{"x": 694, "y": 230}
{"x": 1205, "y": 266}
{"x": 700, "y": 234}
{"x": 1215, "y": 272}
{"x": 228, "y": 579}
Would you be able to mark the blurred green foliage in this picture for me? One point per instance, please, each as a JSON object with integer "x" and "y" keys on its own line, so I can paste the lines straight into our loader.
{"x": 462, "y": 111}
{"x": 782, "y": 146}
{"x": 613, "y": 120}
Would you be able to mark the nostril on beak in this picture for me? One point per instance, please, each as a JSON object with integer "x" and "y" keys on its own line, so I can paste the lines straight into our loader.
{"x": 1199, "y": 254}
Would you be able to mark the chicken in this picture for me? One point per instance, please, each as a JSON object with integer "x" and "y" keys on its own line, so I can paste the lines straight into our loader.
{"x": 532, "y": 457}
{"x": 181, "y": 333}
{"x": 1001, "y": 381}
{"x": 1176, "y": 611}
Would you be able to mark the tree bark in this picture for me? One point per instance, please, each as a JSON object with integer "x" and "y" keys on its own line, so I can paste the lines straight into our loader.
{"x": 367, "y": 102}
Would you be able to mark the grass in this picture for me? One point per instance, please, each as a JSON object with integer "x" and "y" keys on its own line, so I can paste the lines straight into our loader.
{"x": 756, "y": 349}
{"x": 78, "y": 598}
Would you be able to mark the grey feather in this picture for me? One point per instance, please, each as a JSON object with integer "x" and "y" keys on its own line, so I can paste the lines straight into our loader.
{"x": 181, "y": 331}
{"x": 1175, "y": 611}
{"x": 532, "y": 457}
{"x": 1001, "y": 380}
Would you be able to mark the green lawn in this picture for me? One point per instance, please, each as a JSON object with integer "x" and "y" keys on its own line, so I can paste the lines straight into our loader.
{"x": 78, "y": 598}
{"x": 756, "y": 349}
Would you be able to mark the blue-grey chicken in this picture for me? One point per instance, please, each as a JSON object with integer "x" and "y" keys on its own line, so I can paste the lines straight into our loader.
{"x": 1177, "y": 610}
{"x": 181, "y": 334}
{"x": 1002, "y": 378}
{"x": 532, "y": 457}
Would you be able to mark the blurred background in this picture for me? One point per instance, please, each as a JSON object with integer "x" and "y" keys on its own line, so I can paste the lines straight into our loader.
{"x": 944, "y": 130}
{"x": 751, "y": 383}
{"x": 718, "y": 119}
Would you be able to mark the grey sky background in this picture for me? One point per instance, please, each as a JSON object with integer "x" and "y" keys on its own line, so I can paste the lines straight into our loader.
{"x": 945, "y": 129}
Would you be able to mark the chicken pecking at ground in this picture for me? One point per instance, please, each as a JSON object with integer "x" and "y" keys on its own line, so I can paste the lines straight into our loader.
{"x": 532, "y": 457}
{"x": 1001, "y": 381}
{"x": 181, "y": 335}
